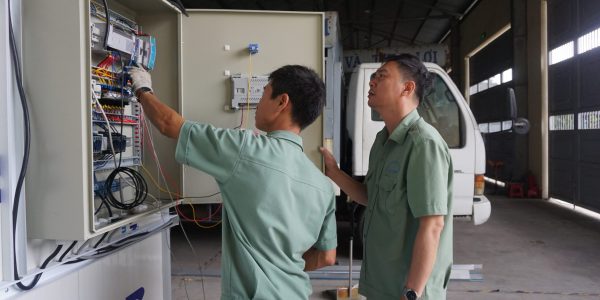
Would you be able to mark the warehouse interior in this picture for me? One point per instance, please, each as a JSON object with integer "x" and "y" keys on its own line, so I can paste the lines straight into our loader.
{"x": 94, "y": 203}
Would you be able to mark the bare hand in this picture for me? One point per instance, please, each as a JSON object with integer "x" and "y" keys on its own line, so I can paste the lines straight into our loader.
{"x": 330, "y": 163}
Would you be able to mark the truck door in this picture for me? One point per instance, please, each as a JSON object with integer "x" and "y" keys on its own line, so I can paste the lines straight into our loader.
{"x": 451, "y": 118}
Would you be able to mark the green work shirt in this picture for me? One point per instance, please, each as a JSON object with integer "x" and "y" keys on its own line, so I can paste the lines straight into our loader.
{"x": 276, "y": 206}
{"x": 410, "y": 176}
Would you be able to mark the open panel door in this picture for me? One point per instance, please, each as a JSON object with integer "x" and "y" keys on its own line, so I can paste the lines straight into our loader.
{"x": 214, "y": 46}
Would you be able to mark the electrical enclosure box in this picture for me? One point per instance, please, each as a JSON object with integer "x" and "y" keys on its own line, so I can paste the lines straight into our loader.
{"x": 188, "y": 60}
{"x": 244, "y": 93}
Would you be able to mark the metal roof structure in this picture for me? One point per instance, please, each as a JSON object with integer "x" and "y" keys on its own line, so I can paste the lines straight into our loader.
{"x": 367, "y": 24}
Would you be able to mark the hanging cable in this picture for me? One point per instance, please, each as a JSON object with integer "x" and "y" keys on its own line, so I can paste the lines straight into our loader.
{"x": 39, "y": 275}
{"x": 27, "y": 143}
{"x": 141, "y": 188}
{"x": 107, "y": 24}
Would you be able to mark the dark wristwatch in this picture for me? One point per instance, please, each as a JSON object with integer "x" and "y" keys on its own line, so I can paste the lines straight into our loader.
{"x": 410, "y": 294}
{"x": 142, "y": 90}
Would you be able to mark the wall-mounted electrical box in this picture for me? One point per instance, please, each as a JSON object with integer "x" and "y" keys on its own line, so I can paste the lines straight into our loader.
{"x": 93, "y": 152}
{"x": 244, "y": 93}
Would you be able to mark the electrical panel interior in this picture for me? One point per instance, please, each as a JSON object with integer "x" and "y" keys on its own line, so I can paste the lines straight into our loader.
{"x": 119, "y": 187}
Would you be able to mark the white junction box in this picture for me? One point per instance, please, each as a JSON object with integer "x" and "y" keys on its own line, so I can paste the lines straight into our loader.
{"x": 242, "y": 91}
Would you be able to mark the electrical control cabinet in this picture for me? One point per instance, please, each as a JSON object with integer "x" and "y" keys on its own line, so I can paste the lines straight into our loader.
{"x": 86, "y": 173}
{"x": 90, "y": 141}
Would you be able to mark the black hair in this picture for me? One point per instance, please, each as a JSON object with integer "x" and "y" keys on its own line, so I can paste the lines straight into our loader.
{"x": 412, "y": 67}
{"x": 305, "y": 89}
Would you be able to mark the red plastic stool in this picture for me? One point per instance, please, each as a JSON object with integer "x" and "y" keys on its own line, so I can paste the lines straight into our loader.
{"x": 515, "y": 190}
{"x": 532, "y": 189}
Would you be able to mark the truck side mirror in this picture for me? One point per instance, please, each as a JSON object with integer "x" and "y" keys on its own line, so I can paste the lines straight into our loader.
{"x": 512, "y": 103}
{"x": 520, "y": 125}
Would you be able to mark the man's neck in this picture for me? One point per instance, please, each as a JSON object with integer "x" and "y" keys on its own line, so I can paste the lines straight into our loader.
{"x": 393, "y": 118}
{"x": 285, "y": 127}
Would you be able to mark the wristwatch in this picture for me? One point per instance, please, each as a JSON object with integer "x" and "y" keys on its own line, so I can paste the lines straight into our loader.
{"x": 142, "y": 90}
{"x": 410, "y": 294}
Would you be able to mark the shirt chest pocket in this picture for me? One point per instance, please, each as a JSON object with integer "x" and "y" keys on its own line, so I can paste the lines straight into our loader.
{"x": 392, "y": 192}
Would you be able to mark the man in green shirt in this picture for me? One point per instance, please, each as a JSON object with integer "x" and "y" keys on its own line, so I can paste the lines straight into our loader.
{"x": 407, "y": 190}
{"x": 279, "y": 209}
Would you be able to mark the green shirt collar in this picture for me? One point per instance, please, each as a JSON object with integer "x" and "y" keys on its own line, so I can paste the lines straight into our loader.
{"x": 400, "y": 132}
{"x": 287, "y": 135}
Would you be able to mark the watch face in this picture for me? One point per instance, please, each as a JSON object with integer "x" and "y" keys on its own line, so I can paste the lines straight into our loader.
{"x": 411, "y": 295}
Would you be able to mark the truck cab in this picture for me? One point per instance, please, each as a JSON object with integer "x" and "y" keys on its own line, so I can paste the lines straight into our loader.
{"x": 444, "y": 108}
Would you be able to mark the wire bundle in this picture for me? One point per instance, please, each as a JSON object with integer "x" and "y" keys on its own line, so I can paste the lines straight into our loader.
{"x": 136, "y": 180}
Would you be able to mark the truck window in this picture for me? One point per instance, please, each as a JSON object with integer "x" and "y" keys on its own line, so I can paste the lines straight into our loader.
{"x": 439, "y": 108}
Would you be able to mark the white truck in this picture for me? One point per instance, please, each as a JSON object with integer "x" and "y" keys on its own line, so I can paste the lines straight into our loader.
{"x": 445, "y": 109}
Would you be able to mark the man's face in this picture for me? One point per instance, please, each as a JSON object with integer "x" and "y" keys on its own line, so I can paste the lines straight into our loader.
{"x": 266, "y": 108}
{"x": 386, "y": 86}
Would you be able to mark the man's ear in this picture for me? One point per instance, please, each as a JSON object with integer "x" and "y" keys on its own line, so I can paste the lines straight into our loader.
{"x": 409, "y": 87}
{"x": 284, "y": 102}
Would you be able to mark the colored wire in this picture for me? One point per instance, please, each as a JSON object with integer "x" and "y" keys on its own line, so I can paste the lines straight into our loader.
{"x": 162, "y": 173}
{"x": 249, "y": 80}
{"x": 184, "y": 216}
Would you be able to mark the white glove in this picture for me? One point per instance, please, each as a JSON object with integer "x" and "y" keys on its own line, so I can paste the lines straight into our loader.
{"x": 140, "y": 78}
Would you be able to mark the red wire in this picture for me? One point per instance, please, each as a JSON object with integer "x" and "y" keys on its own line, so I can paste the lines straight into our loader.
{"x": 197, "y": 220}
{"x": 170, "y": 182}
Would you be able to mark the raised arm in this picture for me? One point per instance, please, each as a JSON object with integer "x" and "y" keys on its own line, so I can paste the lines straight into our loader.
{"x": 164, "y": 118}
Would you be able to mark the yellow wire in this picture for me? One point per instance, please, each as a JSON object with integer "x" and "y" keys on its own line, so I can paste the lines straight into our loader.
{"x": 158, "y": 186}
{"x": 198, "y": 224}
{"x": 183, "y": 198}
{"x": 248, "y": 92}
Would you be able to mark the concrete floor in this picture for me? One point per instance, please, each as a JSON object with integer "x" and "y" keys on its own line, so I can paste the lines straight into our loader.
{"x": 529, "y": 249}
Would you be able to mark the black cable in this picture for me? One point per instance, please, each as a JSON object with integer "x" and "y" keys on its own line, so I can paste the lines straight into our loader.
{"x": 107, "y": 24}
{"x": 101, "y": 239}
{"x": 99, "y": 207}
{"x": 26, "y": 150}
{"x": 39, "y": 275}
{"x": 137, "y": 180}
{"x": 105, "y": 203}
{"x": 75, "y": 261}
{"x": 118, "y": 245}
{"x": 67, "y": 251}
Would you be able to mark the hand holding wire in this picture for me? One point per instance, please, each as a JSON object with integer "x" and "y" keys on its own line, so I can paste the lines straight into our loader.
{"x": 140, "y": 78}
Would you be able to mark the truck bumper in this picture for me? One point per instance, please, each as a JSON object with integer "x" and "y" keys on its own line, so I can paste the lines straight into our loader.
{"x": 482, "y": 208}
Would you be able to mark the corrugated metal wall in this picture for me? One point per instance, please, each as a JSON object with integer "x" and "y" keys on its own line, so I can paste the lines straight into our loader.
{"x": 574, "y": 101}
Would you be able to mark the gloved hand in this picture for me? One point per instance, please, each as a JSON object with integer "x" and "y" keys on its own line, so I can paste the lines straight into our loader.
{"x": 140, "y": 78}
